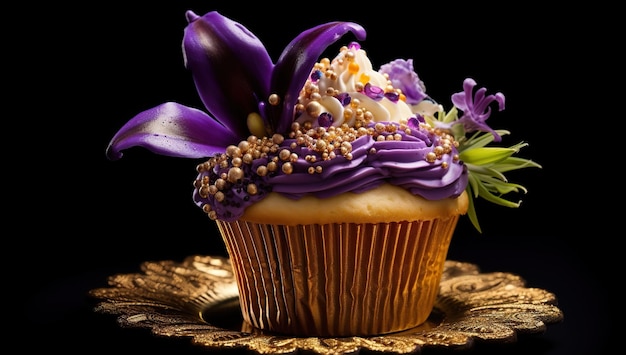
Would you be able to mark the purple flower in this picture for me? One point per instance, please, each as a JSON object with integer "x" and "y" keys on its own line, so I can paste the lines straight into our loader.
{"x": 476, "y": 108}
{"x": 403, "y": 76}
{"x": 236, "y": 81}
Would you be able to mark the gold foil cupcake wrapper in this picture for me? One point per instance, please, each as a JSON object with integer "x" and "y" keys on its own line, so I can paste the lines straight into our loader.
{"x": 337, "y": 279}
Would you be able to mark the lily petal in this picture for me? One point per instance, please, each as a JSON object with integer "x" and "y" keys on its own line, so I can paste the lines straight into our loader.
{"x": 295, "y": 63}
{"x": 174, "y": 130}
{"x": 230, "y": 67}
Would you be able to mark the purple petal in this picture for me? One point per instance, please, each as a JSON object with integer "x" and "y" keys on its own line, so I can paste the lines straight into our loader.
{"x": 295, "y": 64}
{"x": 174, "y": 130}
{"x": 403, "y": 76}
{"x": 230, "y": 66}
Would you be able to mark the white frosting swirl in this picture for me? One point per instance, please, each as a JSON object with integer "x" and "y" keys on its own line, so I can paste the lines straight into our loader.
{"x": 348, "y": 73}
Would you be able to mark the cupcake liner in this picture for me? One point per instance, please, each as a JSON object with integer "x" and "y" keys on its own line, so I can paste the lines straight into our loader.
{"x": 341, "y": 279}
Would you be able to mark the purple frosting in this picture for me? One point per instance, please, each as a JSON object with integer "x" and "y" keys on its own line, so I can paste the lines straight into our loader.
{"x": 403, "y": 163}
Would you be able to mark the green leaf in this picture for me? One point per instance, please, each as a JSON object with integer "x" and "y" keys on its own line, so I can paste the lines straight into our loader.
{"x": 481, "y": 139}
{"x": 471, "y": 210}
{"x": 515, "y": 163}
{"x": 484, "y": 156}
{"x": 487, "y": 195}
{"x": 477, "y": 171}
{"x": 501, "y": 187}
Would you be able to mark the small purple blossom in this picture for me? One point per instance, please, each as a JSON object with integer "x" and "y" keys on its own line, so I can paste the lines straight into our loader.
{"x": 403, "y": 76}
{"x": 476, "y": 108}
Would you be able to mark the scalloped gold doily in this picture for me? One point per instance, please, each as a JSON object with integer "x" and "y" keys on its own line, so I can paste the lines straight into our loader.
{"x": 194, "y": 298}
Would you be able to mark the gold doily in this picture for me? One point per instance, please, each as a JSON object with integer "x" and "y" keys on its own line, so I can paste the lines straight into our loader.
{"x": 194, "y": 299}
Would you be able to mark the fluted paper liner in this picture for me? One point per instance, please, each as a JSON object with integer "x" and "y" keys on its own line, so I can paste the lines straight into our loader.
{"x": 337, "y": 279}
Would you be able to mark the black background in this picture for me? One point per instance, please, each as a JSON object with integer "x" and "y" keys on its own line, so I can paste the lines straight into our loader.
{"x": 82, "y": 72}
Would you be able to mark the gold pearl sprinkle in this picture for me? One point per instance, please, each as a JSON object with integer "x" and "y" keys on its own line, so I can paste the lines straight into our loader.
{"x": 284, "y": 154}
{"x": 235, "y": 174}
{"x": 233, "y": 151}
{"x": 247, "y": 158}
{"x": 287, "y": 168}
{"x": 278, "y": 138}
{"x": 252, "y": 189}
{"x": 431, "y": 157}
{"x": 244, "y": 146}
{"x": 204, "y": 192}
{"x": 262, "y": 170}
{"x": 273, "y": 99}
{"x": 313, "y": 108}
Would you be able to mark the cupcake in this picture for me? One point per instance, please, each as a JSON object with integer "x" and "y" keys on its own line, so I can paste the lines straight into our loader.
{"x": 336, "y": 187}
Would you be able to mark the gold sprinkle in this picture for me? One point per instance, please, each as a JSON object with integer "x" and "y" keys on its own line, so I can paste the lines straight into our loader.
{"x": 204, "y": 192}
{"x": 244, "y": 146}
{"x": 233, "y": 151}
{"x": 262, "y": 170}
{"x": 277, "y": 138}
{"x": 313, "y": 109}
{"x": 235, "y": 174}
{"x": 273, "y": 99}
{"x": 287, "y": 168}
{"x": 284, "y": 154}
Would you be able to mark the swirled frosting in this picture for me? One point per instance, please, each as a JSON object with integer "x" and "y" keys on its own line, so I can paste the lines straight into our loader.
{"x": 352, "y": 131}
